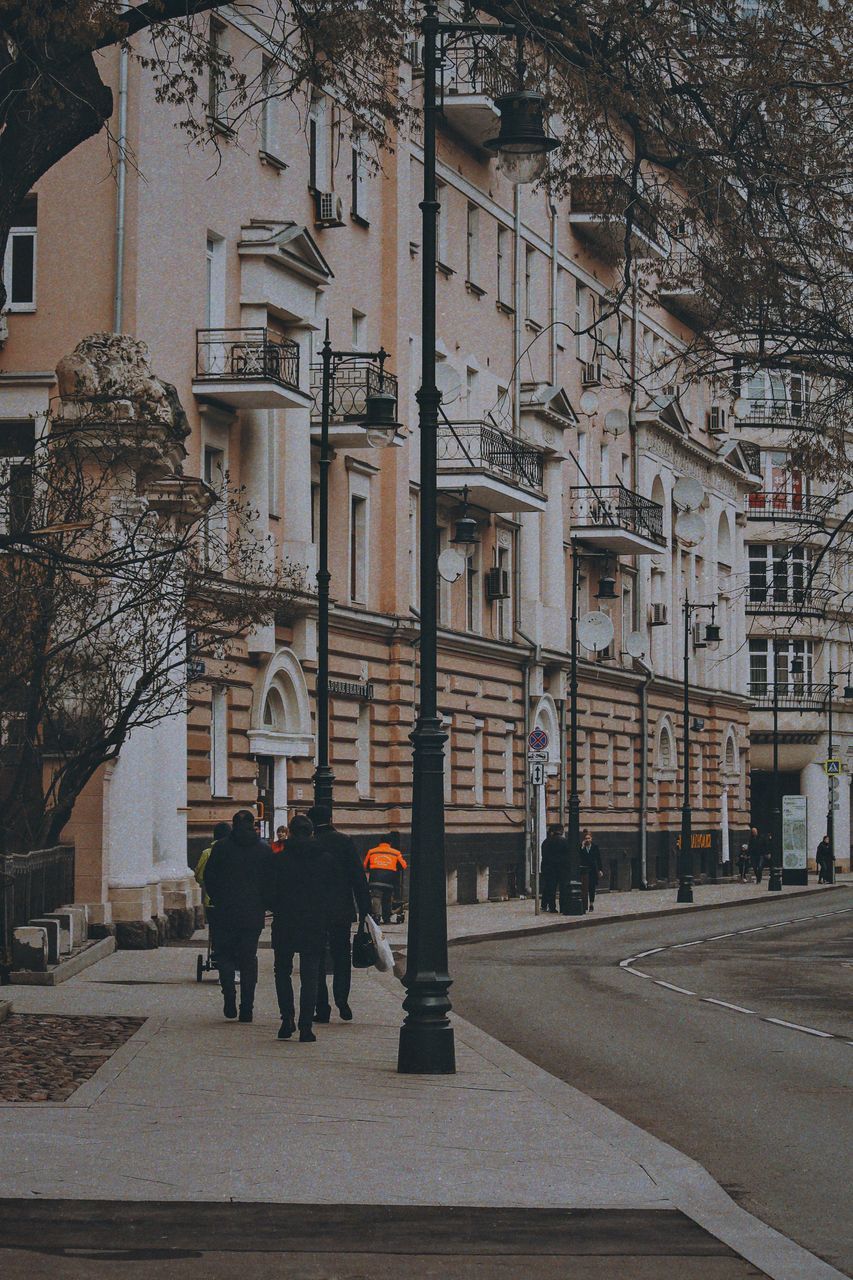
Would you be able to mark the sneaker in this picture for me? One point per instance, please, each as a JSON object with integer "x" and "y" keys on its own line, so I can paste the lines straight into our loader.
{"x": 245, "y": 1015}
{"x": 346, "y": 1013}
{"x": 286, "y": 1029}
{"x": 229, "y": 1005}
{"x": 306, "y": 1036}
{"x": 322, "y": 1015}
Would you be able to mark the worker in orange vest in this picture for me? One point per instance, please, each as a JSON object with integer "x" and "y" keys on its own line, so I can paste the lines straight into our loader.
{"x": 383, "y": 865}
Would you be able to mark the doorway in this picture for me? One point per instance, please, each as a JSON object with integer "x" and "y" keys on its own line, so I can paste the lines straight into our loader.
{"x": 266, "y": 796}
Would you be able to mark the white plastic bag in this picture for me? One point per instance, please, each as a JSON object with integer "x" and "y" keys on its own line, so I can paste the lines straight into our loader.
{"x": 384, "y": 954}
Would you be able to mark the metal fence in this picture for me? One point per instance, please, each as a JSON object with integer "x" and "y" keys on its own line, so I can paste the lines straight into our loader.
{"x": 775, "y": 413}
{"x": 30, "y": 885}
{"x": 791, "y": 601}
{"x": 240, "y": 355}
{"x": 781, "y": 504}
{"x": 620, "y": 508}
{"x": 608, "y": 196}
{"x": 803, "y": 696}
{"x": 483, "y": 446}
{"x": 351, "y": 385}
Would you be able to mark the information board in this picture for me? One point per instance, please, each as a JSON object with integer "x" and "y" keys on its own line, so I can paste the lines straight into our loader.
{"x": 794, "y": 833}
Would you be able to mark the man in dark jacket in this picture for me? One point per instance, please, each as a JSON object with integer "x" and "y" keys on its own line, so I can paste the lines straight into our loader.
{"x": 756, "y": 853}
{"x": 301, "y": 882}
{"x": 555, "y": 866}
{"x": 350, "y": 900}
{"x": 590, "y": 867}
{"x": 235, "y": 878}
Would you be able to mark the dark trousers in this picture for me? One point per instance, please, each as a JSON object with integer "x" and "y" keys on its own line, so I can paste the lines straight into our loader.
{"x": 591, "y": 886}
{"x": 380, "y": 901}
{"x": 309, "y": 965}
{"x": 757, "y": 868}
{"x": 548, "y": 884}
{"x": 340, "y": 945}
{"x": 238, "y": 949}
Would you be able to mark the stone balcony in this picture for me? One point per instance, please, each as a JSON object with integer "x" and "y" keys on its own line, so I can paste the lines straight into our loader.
{"x": 248, "y": 369}
{"x": 473, "y": 75}
{"x": 686, "y": 290}
{"x": 501, "y": 472}
{"x": 613, "y": 518}
{"x": 599, "y": 207}
{"x": 353, "y": 382}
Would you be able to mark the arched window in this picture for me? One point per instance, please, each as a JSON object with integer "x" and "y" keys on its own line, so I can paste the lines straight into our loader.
{"x": 665, "y": 752}
{"x": 731, "y": 754}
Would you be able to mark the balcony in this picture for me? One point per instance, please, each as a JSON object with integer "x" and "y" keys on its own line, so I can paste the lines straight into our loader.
{"x": 473, "y": 77}
{"x": 802, "y": 696}
{"x": 502, "y": 473}
{"x": 351, "y": 385}
{"x": 784, "y": 505}
{"x": 686, "y": 291}
{"x": 793, "y": 602}
{"x": 599, "y": 209}
{"x": 791, "y": 414}
{"x": 248, "y": 369}
{"x": 615, "y": 519}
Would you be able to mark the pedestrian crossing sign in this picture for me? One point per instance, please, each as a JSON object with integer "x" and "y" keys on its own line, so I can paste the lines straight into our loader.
{"x": 832, "y": 766}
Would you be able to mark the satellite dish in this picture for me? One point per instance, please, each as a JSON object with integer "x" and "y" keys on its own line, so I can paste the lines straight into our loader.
{"x": 635, "y": 645}
{"x": 589, "y": 403}
{"x": 595, "y": 630}
{"x": 688, "y": 493}
{"x": 690, "y": 528}
{"x": 451, "y": 564}
{"x": 448, "y": 381}
{"x": 616, "y": 422}
{"x": 740, "y": 408}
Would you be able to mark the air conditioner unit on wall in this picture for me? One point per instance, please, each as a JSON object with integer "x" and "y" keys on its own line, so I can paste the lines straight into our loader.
{"x": 328, "y": 209}
{"x": 497, "y": 584}
{"x": 658, "y": 616}
{"x": 716, "y": 420}
{"x": 592, "y": 373}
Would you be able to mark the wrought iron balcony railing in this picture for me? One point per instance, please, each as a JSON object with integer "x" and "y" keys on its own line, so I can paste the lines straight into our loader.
{"x": 804, "y": 696}
{"x": 609, "y": 196}
{"x": 776, "y": 413}
{"x": 790, "y": 601}
{"x": 247, "y": 355}
{"x": 619, "y": 507}
{"x": 351, "y": 386}
{"x": 477, "y": 65}
{"x": 784, "y": 504}
{"x": 479, "y": 444}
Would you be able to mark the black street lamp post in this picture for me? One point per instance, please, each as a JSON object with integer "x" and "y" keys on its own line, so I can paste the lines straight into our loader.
{"x": 380, "y": 426}
{"x": 426, "y": 1036}
{"x": 685, "y": 853}
{"x": 831, "y": 781}
{"x": 774, "y": 877}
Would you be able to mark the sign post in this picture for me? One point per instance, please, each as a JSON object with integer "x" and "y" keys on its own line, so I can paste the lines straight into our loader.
{"x": 795, "y": 840}
{"x": 537, "y": 759}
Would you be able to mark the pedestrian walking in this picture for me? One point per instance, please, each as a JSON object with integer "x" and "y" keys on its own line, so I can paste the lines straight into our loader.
{"x": 236, "y": 877}
{"x": 350, "y": 901}
{"x": 823, "y": 858}
{"x": 220, "y": 831}
{"x": 743, "y": 862}
{"x": 590, "y": 867}
{"x": 383, "y": 865}
{"x": 553, "y": 867}
{"x": 300, "y": 896}
{"x": 756, "y": 853}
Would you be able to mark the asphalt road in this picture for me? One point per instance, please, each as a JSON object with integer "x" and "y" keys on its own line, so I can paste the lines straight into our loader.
{"x": 764, "y": 1107}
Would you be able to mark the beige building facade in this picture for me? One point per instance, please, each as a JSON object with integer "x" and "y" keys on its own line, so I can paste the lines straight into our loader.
{"x": 229, "y": 267}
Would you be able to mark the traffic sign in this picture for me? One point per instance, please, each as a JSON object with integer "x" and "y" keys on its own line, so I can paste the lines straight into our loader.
{"x": 831, "y": 766}
{"x": 544, "y": 756}
{"x": 538, "y": 740}
{"x": 537, "y": 774}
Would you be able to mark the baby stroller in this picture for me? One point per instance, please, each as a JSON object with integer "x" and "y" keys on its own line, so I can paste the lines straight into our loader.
{"x": 207, "y": 963}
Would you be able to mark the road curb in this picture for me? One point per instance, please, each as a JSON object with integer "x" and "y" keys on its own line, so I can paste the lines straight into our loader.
{"x": 584, "y": 922}
{"x": 685, "y": 1182}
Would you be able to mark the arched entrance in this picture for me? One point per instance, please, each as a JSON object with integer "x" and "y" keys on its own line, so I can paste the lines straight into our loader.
{"x": 281, "y": 730}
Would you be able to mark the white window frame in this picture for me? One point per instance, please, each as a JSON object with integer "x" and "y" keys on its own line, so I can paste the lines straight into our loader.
{"x": 441, "y": 237}
{"x": 363, "y": 778}
{"x": 214, "y": 281}
{"x": 219, "y": 759}
{"x": 320, "y": 168}
{"x": 21, "y": 233}
{"x": 503, "y": 266}
{"x": 359, "y": 187}
{"x": 509, "y": 762}
{"x": 271, "y": 131}
{"x": 214, "y": 473}
{"x": 478, "y": 760}
{"x": 473, "y": 591}
{"x": 358, "y": 541}
{"x": 472, "y": 245}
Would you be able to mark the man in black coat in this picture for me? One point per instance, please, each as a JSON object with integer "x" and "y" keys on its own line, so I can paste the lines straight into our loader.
{"x": 301, "y": 886}
{"x": 590, "y": 867}
{"x": 350, "y": 900}
{"x": 235, "y": 879}
{"x": 555, "y": 866}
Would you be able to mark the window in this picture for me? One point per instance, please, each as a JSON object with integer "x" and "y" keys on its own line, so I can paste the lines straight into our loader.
{"x": 19, "y": 266}
{"x": 315, "y": 510}
{"x": 503, "y": 608}
{"x": 319, "y": 146}
{"x": 479, "y": 780}
{"x": 270, "y": 112}
{"x": 470, "y": 392}
{"x": 441, "y": 223}
{"x": 448, "y": 761}
{"x": 504, "y": 267}
{"x": 273, "y": 476}
{"x": 216, "y": 64}
{"x": 444, "y": 593}
{"x": 580, "y": 336}
{"x": 358, "y": 549}
{"x": 627, "y": 609}
{"x": 358, "y": 328}
{"x": 215, "y": 521}
{"x": 362, "y": 768}
{"x": 358, "y": 183}
{"x": 414, "y": 549}
{"x": 214, "y": 310}
{"x": 509, "y": 761}
{"x": 761, "y": 663}
{"x": 777, "y": 574}
{"x": 530, "y": 299}
{"x": 560, "y": 331}
{"x": 604, "y": 465}
{"x": 472, "y": 245}
{"x": 473, "y": 612}
{"x": 219, "y": 743}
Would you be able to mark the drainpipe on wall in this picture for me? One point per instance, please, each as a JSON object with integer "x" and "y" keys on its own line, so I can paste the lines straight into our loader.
{"x": 552, "y": 212}
{"x": 644, "y": 768}
{"x": 516, "y": 319}
{"x": 121, "y": 193}
{"x": 563, "y": 755}
{"x": 531, "y": 862}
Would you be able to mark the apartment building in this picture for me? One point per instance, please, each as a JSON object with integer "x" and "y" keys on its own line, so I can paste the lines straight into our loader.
{"x": 229, "y": 267}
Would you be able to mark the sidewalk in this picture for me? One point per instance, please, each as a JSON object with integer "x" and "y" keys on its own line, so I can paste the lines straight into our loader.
{"x": 193, "y": 1110}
